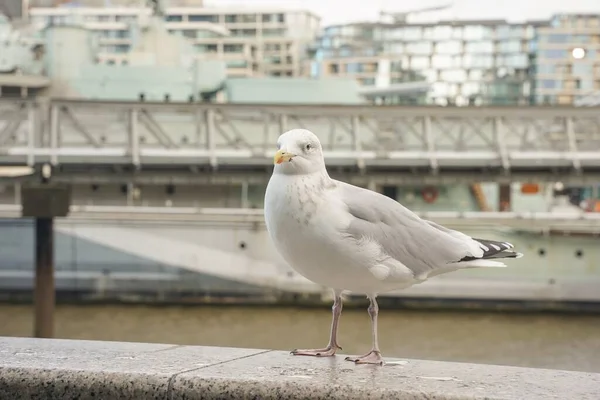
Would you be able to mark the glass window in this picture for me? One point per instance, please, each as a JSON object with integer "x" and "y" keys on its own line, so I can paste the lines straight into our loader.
{"x": 476, "y": 32}
{"x": 586, "y": 84}
{"x": 580, "y": 39}
{"x": 174, "y": 18}
{"x": 559, "y": 38}
{"x": 353, "y": 68}
{"x": 412, "y": 33}
{"x": 189, "y": 33}
{"x": 247, "y": 18}
{"x": 419, "y": 62}
{"x": 345, "y": 52}
{"x": 237, "y": 64}
{"x": 125, "y": 18}
{"x": 457, "y": 32}
{"x": 517, "y": 31}
{"x": 449, "y": 47}
{"x": 545, "y": 68}
{"x": 481, "y": 61}
{"x": 440, "y": 89}
{"x": 367, "y": 81}
{"x": 441, "y": 61}
{"x": 550, "y": 84}
{"x": 394, "y": 48}
{"x": 503, "y": 32}
{"x": 203, "y": 18}
{"x": 471, "y": 88}
{"x": 555, "y": 53}
{"x": 419, "y": 48}
{"x": 233, "y": 48}
{"x": 278, "y": 32}
{"x": 455, "y": 75}
{"x": 512, "y": 46}
{"x": 427, "y": 33}
{"x": 516, "y": 60}
{"x": 429, "y": 75}
{"x": 480, "y": 47}
{"x": 475, "y": 74}
{"x": 442, "y": 32}
{"x": 582, "y": 69}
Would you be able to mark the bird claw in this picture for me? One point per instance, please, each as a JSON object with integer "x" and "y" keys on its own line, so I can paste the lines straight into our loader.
{"x": 328, "y": 351}
{"x": 372, "y": 357}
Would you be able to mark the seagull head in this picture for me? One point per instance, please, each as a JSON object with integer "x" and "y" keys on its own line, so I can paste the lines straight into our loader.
{"x": 299, "y": 152}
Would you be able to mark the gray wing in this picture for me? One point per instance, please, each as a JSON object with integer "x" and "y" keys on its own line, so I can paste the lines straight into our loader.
{"x": 420, "y": 245}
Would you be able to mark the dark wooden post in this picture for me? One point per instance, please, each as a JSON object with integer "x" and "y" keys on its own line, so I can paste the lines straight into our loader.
{"x": 44, "y": 201}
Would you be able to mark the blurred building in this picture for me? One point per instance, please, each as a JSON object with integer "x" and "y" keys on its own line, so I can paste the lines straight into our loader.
{"x": 253, "y": 42}
{"x": 465, "y": 62}
{"x": 568, "y": 60}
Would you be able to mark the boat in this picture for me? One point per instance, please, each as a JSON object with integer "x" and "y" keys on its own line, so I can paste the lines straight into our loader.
{"x": 168, "y": 184}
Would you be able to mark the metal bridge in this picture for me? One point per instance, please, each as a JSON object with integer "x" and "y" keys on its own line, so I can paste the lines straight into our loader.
{"x": 177, "y": 142}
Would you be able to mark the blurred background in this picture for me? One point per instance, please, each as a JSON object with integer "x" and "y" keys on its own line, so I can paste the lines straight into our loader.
{"x": 162, "y": 116}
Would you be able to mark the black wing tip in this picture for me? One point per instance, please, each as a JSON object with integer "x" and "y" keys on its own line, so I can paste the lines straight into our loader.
{"x": 494, "y": 249}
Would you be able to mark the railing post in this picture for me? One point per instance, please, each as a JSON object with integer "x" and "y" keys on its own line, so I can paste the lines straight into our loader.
{"x": 210, "y": 137}
{"x": 356, "y": 144}
{"x": 54, "y": 121}
{"x": 429, "y": 140}
{"x": 31, "y": 125}
{"x": 134, "y": 137}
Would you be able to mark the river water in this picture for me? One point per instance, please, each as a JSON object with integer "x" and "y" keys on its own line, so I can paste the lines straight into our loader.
{"x": 535, "y": 340}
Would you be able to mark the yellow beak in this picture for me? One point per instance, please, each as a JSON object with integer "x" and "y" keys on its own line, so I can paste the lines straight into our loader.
{"x": 282, "y": 156}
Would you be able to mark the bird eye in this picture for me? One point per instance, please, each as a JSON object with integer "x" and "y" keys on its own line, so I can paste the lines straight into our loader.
{"x": 308, "y": 147}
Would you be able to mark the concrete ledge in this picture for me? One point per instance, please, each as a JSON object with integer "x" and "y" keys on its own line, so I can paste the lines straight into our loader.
{"x": 66, "y": 369}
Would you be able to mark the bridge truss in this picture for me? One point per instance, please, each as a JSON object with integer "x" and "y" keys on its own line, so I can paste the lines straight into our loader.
{"x": 184, "y": 141}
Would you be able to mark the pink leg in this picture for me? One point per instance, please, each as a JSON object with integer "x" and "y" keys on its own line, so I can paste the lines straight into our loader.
{"x": 374, "y": 356}
{"x": 332, "y": 347}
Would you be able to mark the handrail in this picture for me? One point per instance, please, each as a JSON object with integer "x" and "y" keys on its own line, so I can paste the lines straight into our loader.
{"x": 242, "y": 212}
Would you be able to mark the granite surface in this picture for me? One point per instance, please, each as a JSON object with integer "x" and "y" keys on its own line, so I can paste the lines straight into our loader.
{"x": 75, "y": 369}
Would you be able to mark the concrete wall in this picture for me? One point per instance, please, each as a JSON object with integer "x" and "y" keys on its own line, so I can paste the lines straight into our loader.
{"x": 53, "y": 369}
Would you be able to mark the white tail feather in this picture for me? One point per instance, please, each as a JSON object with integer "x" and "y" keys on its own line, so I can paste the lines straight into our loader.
{"x": 481, "y": 263}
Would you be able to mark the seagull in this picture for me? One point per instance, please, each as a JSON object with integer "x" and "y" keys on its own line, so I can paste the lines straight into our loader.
{"x": 356, "y": 240}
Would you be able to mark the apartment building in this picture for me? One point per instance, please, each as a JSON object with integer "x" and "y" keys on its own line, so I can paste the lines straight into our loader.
{"x": 253, "y": 42}
{"x": 465, "y": 62}
{"x": 568, "y": 59}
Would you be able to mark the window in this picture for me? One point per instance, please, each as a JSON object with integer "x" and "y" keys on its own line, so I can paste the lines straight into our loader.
{"x": 558, "y": 38}
{"x": 550, "y": 84}
{"x": 582, "y": 69}
{"x": 247, "y": 18}
{"x": 480, "y": 47}
{"x": 233, "y": 48}
{"x": 419, "y": 62}
{"x": 450, "y": 47}
{"x": 419, "y": 47}
{"x": 203, "y": 18}
{"x": 545, "y": 69}
{"x": 555, "y": 53}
